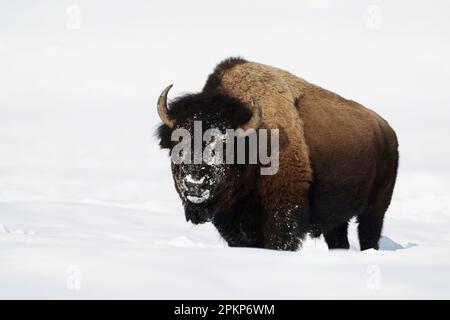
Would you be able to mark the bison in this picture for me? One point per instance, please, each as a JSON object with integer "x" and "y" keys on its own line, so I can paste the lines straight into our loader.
{"x": 336, "y": 160}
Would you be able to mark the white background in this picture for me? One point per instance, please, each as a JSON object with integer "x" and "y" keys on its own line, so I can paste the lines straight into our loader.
{"x": 84, "y": 187}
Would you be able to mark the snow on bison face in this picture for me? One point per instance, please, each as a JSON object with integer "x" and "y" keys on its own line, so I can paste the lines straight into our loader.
{"x": 203, "y": 188}
{"x": 205, "y": 176}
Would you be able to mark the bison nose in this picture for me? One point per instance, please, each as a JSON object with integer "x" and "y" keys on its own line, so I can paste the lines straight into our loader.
{"x": 196, "y": 191}
{"x": 195, "y": 186}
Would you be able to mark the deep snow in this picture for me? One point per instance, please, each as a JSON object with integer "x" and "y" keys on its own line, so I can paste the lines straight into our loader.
{"x": 88, "y": 210}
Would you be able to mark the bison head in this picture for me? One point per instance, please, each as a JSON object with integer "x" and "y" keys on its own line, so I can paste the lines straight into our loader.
{"x": 206, "y": 185}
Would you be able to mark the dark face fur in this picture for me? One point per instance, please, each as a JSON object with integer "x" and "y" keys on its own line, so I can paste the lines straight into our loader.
{"x": 206, "y": 188}
{"x": 201, "y": 186}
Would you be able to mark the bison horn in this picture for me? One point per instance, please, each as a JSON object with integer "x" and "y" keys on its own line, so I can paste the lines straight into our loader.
{"x": 162, "y": 107}
{"x": 255, "y": 120}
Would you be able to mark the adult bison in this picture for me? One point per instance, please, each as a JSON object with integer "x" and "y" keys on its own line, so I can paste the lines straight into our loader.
{"x": 337, "y": 160}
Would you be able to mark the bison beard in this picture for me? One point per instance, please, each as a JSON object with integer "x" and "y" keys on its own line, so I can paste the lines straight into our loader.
{"x": 337, "y": 160}
{"x": 197, "y": 213}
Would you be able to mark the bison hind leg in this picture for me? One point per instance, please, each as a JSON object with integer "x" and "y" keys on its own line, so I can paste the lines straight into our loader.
{"x": 337, "y": 237}
{"x": 370, "y": 225}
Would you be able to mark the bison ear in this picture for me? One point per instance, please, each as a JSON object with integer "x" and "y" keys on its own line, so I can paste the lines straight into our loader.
{"x": 255, "y": 121}
{"x": 164, "y": 133}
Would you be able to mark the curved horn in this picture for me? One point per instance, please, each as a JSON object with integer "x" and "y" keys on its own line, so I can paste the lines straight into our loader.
{"x": 256, "y": 119}
{"x": 162, "y": 107}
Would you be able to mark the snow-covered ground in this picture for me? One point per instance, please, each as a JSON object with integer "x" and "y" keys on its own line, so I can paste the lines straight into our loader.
{"x": 87, "y": 205}
{"x": 88, "y": 210}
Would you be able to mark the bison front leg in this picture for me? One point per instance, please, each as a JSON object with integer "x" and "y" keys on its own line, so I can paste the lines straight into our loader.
{"x": 284, "y": 228}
